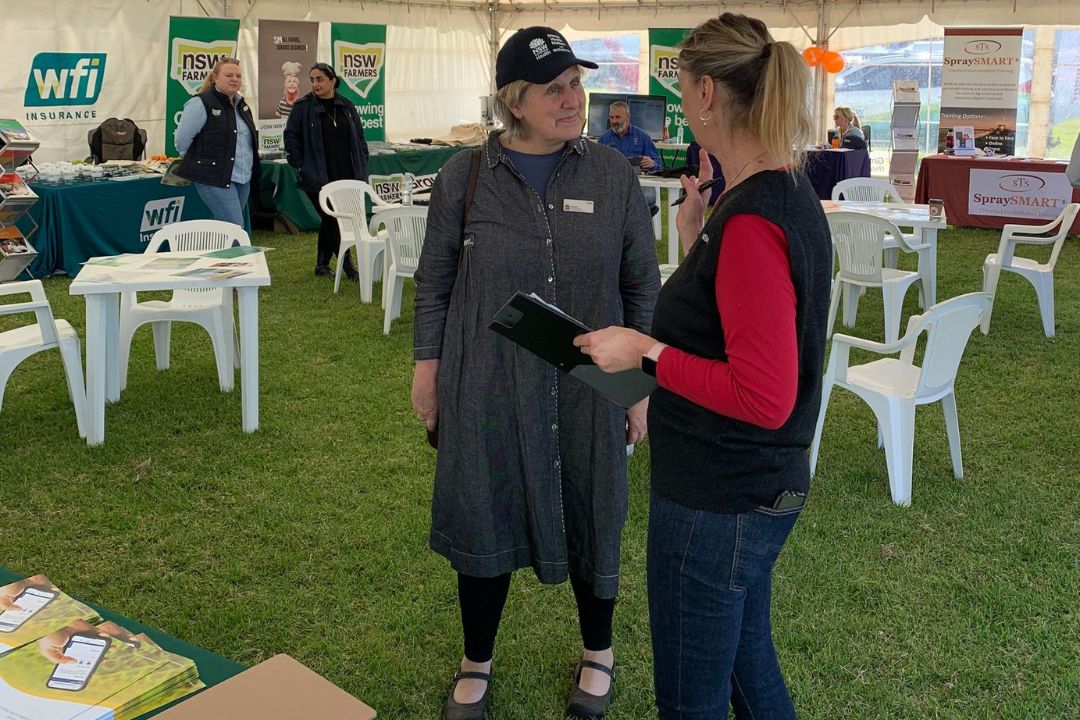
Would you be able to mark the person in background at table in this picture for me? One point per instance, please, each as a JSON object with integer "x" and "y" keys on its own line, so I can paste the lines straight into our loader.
{"x": 693, "y": 156}
{"x": 324, "y": 141}
{"x": 531, "y": 470}
{"x": 631, "y": 141}
{"x": 848, "y": 128}
{"x": 737, "y": 347}
{"x": 219, "y": 143}
{"x": 1072, "y": 171}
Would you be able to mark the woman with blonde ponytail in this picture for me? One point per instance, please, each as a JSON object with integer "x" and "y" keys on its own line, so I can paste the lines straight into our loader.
{"x": 737, "y": 348}
{"x": 849, "y": 129}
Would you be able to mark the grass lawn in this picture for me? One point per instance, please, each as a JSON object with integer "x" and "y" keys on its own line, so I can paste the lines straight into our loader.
{"x": 310, "y": 536}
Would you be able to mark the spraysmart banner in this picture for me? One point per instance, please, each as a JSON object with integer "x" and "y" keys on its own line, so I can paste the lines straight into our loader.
{"x": 664, "y": 78}
{"x": 359, "y": 53}
{"x": 195, "y": 44}
{"x": 1007, "y": 193}
{"x": 980, "y": 79}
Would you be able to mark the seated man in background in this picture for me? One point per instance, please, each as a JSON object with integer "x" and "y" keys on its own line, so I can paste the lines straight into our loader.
{"x": 629, "y": 140}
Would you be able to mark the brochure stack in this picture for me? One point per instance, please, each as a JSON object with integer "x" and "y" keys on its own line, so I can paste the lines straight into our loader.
{"x": 905, "y": 137}
{"x": 56, "y": 665}
{"x": 16, "y": 197}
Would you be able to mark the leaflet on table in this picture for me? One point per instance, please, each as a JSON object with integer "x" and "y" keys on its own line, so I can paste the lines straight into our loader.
{"x": 166, "y": 262}
{"x": 211, "y": 273}
{"x": 34, "y": 607}
{"x": 174, "y": 677}
{"x": 103, "y": 673}
{"x": 964, "y": 140}
{"x": 237, "y": 251}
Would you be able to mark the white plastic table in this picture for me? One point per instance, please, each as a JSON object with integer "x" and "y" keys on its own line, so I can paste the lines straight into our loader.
{"x": 902, "y": 215}
{"x": 666, "y": 186}
{"x": 101, "y": 286}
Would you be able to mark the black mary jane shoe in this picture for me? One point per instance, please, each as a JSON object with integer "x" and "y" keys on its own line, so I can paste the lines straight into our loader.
{"x": 584, "y": 704}
{"x": 453, "y": 710}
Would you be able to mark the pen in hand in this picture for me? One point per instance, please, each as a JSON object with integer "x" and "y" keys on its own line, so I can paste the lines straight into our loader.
{"x": 702, "y": 187}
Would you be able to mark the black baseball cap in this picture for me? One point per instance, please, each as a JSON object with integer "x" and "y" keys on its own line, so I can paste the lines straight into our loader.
{"x": 535, "y": 54}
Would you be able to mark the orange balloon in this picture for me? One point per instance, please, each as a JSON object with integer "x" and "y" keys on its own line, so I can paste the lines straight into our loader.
{"x": 833, "y": 62}
{"x": 812, "y": 55}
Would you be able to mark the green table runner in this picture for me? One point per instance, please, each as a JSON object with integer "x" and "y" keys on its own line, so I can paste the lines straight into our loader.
{"x": 278, "y": 188}
{"x": 212, "y": 668}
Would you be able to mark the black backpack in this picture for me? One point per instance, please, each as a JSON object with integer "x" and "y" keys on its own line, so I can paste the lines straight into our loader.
{"x": 117, "y": 139}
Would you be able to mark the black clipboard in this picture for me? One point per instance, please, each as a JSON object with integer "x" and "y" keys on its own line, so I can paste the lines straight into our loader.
{"x": 549, "y": 333}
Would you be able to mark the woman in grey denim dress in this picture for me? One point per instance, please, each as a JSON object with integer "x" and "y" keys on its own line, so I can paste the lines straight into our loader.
{"x": 531, "y": 468}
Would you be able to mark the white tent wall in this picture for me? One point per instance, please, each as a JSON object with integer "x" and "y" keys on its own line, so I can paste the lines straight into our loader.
{"x": 132, "y": 83}
{"x": 437, "y": 59}
{"x": 439, "y": 52}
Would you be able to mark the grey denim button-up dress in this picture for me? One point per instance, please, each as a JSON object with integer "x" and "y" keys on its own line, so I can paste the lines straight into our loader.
{"x": 531, "y": 468}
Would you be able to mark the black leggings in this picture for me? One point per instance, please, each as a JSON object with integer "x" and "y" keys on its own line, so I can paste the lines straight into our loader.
{"x": 329, "y": 233}
{"x": 482, "y": 601}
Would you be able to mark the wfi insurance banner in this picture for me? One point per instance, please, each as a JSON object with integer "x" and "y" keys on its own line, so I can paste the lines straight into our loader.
{"x": 287, "y": 50}
{"x": 664, "y": 78}
{"x": 980, "y": 78}
{"x": 195, "y": 44}
{"x": 360, "y": 61}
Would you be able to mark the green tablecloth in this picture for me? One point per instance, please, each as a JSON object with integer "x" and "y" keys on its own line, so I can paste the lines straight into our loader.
{"x": 212, "y": 668}
{"x": 279, "y": 190}
{"x": 106, "y": 217}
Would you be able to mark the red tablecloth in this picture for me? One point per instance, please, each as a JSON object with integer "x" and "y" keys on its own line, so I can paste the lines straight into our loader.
{"x": 942, "y": 177}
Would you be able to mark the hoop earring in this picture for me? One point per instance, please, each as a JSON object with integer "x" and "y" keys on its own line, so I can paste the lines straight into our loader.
{"x": 704, "y": 120}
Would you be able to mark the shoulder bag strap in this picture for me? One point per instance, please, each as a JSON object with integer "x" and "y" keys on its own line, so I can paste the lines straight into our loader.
{"x": 474, "y": 172}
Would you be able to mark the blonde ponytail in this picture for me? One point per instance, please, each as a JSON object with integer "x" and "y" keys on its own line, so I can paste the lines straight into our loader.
{"x": 850, "y": 115}
{"x": 767, "y": 82}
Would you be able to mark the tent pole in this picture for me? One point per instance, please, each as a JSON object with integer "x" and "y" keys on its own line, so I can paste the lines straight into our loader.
{"x": 821, "y": 78}
{"x": 493, "y": 42}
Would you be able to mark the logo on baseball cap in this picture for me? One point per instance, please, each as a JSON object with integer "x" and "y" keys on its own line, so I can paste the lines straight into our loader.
{"x": 536, "y": 54}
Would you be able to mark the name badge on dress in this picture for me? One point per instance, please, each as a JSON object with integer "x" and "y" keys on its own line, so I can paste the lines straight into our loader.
{"x": 578, "y": 206}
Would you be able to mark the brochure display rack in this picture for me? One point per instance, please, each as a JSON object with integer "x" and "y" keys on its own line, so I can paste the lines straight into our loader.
{"x": 16, "y": 197}
{"x": 905, "y": 137}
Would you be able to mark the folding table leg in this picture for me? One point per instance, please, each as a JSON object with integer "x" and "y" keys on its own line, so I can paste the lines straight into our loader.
{"x": 248, "y": 300}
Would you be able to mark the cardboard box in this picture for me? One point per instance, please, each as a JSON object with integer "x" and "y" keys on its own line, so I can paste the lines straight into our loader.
{"x": 277, "y": 689}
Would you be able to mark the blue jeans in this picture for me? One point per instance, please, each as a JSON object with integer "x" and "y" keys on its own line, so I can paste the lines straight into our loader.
{"x": 710, "y": 589}
{"x": 225, "y": 203}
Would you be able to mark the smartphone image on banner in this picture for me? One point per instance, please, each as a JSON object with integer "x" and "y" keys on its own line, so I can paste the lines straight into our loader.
{"x": 30, "y": 600}
{"x": 88, "y": 650}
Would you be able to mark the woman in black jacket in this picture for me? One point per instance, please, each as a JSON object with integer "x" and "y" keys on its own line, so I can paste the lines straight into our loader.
{"x": 324, "y": 141}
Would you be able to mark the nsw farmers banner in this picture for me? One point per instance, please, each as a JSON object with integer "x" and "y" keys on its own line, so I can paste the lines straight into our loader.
{"x": 195, "y": 44}
{"x": 664, "y": 77}
{"x": 980, "y": 79}
{"x": 359, "y": 53}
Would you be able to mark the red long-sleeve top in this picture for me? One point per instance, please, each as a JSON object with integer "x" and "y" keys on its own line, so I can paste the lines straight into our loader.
{"x": 756, "y": 298}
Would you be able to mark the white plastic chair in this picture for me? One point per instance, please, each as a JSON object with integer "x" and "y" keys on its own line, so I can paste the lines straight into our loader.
{"x": 1040, "y": 275}
{"x": 894, "y": 387}
{"x": 22, "y": 342}
{"x": 210, "y": 308}
{"x": 859, "y": 239}
{"x": 404, "y": 230}
{"x": 346, "y": 200}
{"x": 862, "y": 189}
